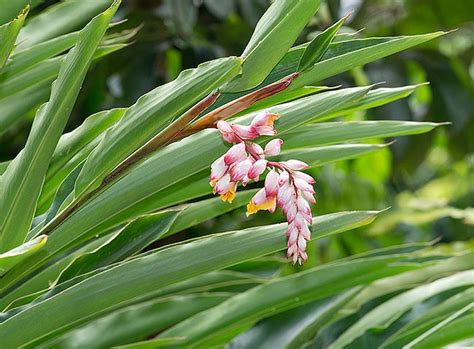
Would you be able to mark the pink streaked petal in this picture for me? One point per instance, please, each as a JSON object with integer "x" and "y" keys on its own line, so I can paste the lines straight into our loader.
{"x": 305, "y": 232}
{"x": 223, "y": 185}
{"x": 235, "y": 153}
{"x": 256, "y": 149}
{"x": 303, "y": 205}
{"x": 265, "y": 131}
{"x": 303, "y": 185}
{"x": 260, "y": 197}
{"x": 257, "y": 169}
{"x": 273, "y": 147}
{"x": 283, "y": 178}
{"x": 292, "y": 234}
{"x": 224, "y": 127}
{"x": 304, "y": 176}
{"x": 310, "y": 197}
{"x": 245, "y": 132}
{"x": 218, "y": 169}
{"x": 301, "y": 243}
{"x": 296, "y": 165}
{"x": 291, "y": 213}
{"x": 271, "y": 183}
{"x": 240, "y": 169}
{"x": 291, "y": 250}
{"x": 264, "y": 118}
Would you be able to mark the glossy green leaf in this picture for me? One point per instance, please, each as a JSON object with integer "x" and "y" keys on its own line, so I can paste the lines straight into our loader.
{"x": 449, "y": 332}
{"x": 274, "y": 34}
{"x": 10, "y": 258}
{"x": 429, "y": 319}
{"x": 318, "y": 46}
{"x": 56, "y": 20}
{"x": 282, "y": 294}
{"x": 295, "y": 327}
{"x": 8, "y": 34}
{"x": 72, "y": 149}
{"x": 130, "y": 240}
{"x": 136, "y": 322}
{"x": 20, "y": 185}
{"x": 383, "y": 315}
{"x": 149, "y": 273}
{"x": 152, "y": 113}
{"x": 336, "y": 132}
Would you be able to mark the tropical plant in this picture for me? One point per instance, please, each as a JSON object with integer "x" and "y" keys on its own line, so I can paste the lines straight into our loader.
{"x": 90, "y": 254}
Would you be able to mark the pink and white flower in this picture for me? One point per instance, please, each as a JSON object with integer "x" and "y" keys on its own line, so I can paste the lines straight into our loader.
{"x": 285, "y": 185}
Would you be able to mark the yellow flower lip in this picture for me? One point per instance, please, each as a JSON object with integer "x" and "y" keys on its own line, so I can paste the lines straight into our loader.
{"x": 268, "y": 204}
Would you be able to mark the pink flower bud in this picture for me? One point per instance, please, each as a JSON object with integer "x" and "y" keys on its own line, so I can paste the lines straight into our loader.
{"x": 309, "y": 196}
{"x": 296, "y": 164}
{"x": 303, "y": 205}
{"x": 223, "y": 185}
{"x": 303, "y": 185}
{"x": 256, "y": 149}
{"x": 271, "y": 183}
{"x": 284, "y": 178}
{"x": 264, "y": 118}
{"x": 245, "y": 132}
{"x": 227, "y": 132}
{"x": 235, "y": 153}
{"x": 240, "y": 169}
{"x": 304, "y": 176}
{"x": 265, "y": 131}
{"x": 218, "y": 169}
{"x": 273, "y": 147}
{"x": 257, "y": 169}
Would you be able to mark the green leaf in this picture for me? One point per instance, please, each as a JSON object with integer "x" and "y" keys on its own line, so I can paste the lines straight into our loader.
{"x": 20, "y": 185}
{"x": 72, "y": 149}
{"x": 429, "y": 319}
{"x": 134, "y": 237}
{"x": 57, "y": 20}
{"x": 295, "y": 327}
{"x": 136, "y": 322}
{"x": 150, "y": 114}
{"x": 323, "y": 155}
{"x": 274, "y": 34}
{"x": 8, "y": 34}
{"x": 165, "y": 267}
{"x": 282, "y": 294}
{"x": 12, "y": 257}
{"x": 406, "y": 280}
{"x": 383, "y": 315}
{"x": 318, "y": 46}
{"x": 446, "y": 333}
{"x": 336, "y": 132}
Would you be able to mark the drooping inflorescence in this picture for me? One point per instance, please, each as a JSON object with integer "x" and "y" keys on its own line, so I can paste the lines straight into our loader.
{"x": 285, "y": 185}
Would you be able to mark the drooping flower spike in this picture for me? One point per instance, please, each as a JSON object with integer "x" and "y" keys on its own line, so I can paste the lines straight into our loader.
{"x": 285, "y": 185}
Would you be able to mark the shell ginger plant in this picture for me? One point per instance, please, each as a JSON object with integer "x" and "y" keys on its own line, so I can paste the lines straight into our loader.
{"x": 83, "y": 216}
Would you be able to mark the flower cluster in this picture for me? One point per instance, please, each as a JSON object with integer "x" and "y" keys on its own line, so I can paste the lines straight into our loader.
{"x": 285, "y": 185}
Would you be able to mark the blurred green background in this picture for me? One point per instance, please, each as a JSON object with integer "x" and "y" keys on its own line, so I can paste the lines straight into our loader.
{"x": 427, "y": 180}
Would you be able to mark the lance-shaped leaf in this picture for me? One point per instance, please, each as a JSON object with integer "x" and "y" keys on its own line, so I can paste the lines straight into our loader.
{"x": 274, "y": 34}
{"x": 335, "y": 132}
{"x": 318, "y": 46}
{"x": 137, "y": 322}
{"x": 72, "y": 149}
{"x": 383, "y": 315}
{"x": 429, "y": 319}
{"x": 8, "y": 34}
{"x": 56, "y": 20}
{"x": 14, "y": 256}
{"x": 282, "y": 294}
{"x": 295, "y": 327}
{"x": 20, "y": 185}
{"x": 130, "y": 240}
{"x": 145, "y": 275}
{"x": 152, "y": 113}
